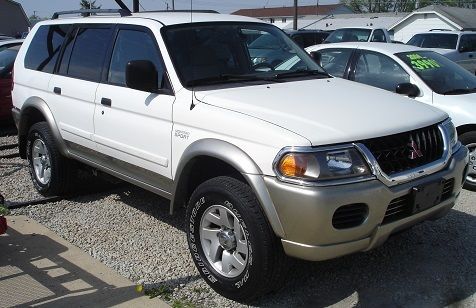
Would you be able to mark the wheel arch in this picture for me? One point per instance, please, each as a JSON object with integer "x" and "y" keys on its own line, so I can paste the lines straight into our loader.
{"x": 209, "y": 158}
{"x": 465, "y": 128}
{"x": 36, "y": 110}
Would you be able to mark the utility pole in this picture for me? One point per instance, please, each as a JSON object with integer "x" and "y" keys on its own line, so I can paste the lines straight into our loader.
{"x": 295, "y": 14}
{"x": 135, "y": 6}
{"x": 173, "y": 5}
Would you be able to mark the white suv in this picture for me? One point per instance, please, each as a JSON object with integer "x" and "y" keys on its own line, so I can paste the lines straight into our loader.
{"x": 268, "y": 162}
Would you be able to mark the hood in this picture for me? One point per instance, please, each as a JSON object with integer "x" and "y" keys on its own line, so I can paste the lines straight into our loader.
{"x": 326, "y": 111}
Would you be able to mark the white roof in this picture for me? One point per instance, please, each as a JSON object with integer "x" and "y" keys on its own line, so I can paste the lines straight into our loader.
{"x": 384, "y": 48}
{"x": 347, "y": 22}
{"x": 166, "y": 18}
{"x": 172, "y": 18}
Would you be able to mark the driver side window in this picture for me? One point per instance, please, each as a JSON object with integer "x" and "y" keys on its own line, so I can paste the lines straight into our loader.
{"x": 334, "y": 61}
{"x": 380, "y": 71}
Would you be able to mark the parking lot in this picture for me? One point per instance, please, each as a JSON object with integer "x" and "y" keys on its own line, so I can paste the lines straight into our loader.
{"x": 130, "y": 230}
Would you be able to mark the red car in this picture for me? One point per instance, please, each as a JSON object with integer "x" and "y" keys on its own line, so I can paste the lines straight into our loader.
{"x": 8, "y": 53}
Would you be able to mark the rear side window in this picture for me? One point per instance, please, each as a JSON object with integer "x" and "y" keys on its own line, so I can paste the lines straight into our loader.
{"x": 468, "y": 43}
{"x": 132, "y": 45}
{"x": 89, "y": 51}
{"x": 45, "y": 48}
{"x": 445, "y": 41}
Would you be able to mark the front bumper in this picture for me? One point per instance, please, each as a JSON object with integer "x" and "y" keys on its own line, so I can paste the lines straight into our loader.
{"x": 306, "y": 212}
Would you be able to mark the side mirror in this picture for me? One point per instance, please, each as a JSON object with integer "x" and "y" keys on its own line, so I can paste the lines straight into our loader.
{"x": 463, "y": 48}
{"x": 142, "y": 75}
{"x": 408, "y": 89}
{"x": 316, "y": 56}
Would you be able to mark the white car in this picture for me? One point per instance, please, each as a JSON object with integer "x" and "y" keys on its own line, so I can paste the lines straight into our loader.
{"x": 268, "y": 163}
{"x": 359, "y": 34}
{"x": 421, "y": 74}
{"x": 458, "y": 46}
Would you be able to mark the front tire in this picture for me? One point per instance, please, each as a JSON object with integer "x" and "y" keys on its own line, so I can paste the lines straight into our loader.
{"x": 49, "y": 170}
{"x": 231, "y": 242}
{"x": 469, "y": 140}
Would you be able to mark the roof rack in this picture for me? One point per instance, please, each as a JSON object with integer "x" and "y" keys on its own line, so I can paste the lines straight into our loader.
{"x": 181, "y": 11}
{"x": 440, "y": 30}
{"x": 122, "y": 12}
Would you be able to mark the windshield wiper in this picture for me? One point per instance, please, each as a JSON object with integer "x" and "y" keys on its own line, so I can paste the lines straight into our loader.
{"x": 224, "y": 78}
{"x": 299, "y": 73}
{"x": 459, "y": 91}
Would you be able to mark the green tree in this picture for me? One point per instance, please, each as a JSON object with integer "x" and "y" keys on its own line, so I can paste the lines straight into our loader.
{"x": 86, "y": 5}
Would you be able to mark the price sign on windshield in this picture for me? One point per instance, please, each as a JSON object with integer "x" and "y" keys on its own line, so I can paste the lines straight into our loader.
{"x": 422, "y": 63}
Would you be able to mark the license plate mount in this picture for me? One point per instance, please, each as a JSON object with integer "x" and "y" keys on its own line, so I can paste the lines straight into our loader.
{"x": 426, "y": 196}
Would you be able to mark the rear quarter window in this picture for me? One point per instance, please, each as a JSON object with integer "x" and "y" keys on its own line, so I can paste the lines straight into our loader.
{"x": 45, "y": 47}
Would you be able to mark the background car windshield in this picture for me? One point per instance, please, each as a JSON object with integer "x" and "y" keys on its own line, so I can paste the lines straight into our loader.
{"x": 7, "y": 57}
{"x": 349, "y": 35}
{"x": 439, "y": 73}
{"x": 215, "y": 50}
{"x": 445, "y": 41}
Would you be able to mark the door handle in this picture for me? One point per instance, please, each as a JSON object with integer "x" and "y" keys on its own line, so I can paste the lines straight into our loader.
{"x": 106, "y": 102}
{"x": 470, "y": 55}
{"x": 57, "y": 90}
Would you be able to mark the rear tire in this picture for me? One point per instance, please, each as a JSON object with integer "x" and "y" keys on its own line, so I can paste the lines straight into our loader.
{"x": 231, "y": 242}
{"x": 469, "y": 140}
{"x": 50, "y": 172}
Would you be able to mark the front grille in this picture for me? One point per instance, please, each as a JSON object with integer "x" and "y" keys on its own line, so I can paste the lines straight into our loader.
{"x": 350, "y": 215}
{"x": 402, "y": 207}
{"x": 395, "y": 153}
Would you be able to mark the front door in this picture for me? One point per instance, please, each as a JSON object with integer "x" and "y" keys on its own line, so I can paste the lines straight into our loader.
{"x": 134, "y": 127}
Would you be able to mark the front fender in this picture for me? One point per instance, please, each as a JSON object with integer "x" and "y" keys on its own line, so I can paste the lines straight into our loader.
{"x": 236, "y": 158}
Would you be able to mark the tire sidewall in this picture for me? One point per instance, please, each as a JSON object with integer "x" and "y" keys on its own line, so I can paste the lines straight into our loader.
{"x": 199, "y": 203}
{"x": 468, "y": 138}
{"x": 33, "y": 135}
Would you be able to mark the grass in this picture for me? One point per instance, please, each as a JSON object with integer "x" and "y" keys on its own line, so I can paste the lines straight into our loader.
{"x": 183, "y": 303}
{"x": 162, "y": 291}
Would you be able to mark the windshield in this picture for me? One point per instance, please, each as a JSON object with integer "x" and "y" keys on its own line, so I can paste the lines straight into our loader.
{"x": 441, "y": 74}
{"x": 7, "y": 57}
{"x": 211, "y": 53}
{"x": 444, "y": 41}
{"x": 349, "y": 35}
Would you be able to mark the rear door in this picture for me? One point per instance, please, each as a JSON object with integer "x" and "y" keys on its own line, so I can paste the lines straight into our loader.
{"x": 76, "y": 80}
{"x": 130, "y": 125}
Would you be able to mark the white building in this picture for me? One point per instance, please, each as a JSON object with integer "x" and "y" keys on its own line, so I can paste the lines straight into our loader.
{"x": 434, "y": 17}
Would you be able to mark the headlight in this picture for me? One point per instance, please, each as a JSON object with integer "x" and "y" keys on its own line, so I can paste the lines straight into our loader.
{"x": 321, "y": 165}
{"x": 451, "y": 132}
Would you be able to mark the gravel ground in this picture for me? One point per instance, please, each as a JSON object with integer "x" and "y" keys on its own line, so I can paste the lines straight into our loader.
{"x": 130, "y": 230}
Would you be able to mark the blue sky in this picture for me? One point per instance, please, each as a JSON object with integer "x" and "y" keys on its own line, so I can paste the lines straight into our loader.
{"x": 46, "y": 8}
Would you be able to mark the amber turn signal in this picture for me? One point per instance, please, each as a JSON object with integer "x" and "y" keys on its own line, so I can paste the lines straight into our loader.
{"x": 293, "y": 165}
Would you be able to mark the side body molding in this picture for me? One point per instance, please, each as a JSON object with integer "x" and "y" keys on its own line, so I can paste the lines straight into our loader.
{"x": 33, "y": 108}
{"x": 235, "y": 157}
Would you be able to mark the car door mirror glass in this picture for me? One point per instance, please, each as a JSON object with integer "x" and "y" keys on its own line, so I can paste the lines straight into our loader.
{"x": 142, "y": 75}
{"x": 408, "y": 89}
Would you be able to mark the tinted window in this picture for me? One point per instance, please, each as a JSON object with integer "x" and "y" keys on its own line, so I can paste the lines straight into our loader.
{"x": 468, "y": 42}
{"x": 378, "y": 36}
{"x": 334, "y": 61}
{"x": 45, "y": 47}
{"x": 309, "y": 39}
{"x": 379, "y": 71}
{"x": 415, "y": 40}
{"x": 87, "y": 56}
{"x": 132, "y": 45}
{"x": 445, "y": 41}
{"x": 7, "y": 57}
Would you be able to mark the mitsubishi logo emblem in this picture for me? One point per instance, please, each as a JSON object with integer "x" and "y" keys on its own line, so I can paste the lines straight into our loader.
{"x": 415, "y": 152}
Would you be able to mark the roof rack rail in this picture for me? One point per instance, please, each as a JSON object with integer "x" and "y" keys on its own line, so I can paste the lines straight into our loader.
{"x": 440, "y": 30}
{"x": 181, "y": 11}
{"x": 122, "y": 12}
